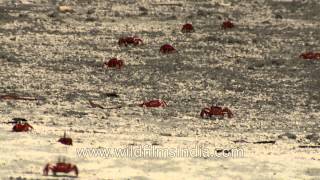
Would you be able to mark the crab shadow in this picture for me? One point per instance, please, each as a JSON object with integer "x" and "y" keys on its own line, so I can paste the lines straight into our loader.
{"x": 63, "y": 176}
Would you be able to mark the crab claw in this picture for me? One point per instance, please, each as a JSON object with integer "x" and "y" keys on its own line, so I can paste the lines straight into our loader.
{"x": 137, "y": 41}
{"x": 76, "y": 170}
{"x": 228, "y": 111}
{"x": 46, "y": 170}
{"x": 29, "y": 126}
{"x": 205, "y": 112}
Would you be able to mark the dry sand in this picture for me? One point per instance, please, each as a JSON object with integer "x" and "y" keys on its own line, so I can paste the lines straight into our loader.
{"x": 254, "y": 69}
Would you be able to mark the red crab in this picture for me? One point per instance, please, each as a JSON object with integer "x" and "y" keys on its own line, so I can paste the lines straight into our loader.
{"x": 154, "y": 103}
{"x": 215, "y": 111}
{"x": 310, "y": 55}
{"x": 125, "y": 41}
{"x": 114, "y": 63}
{"x": 21, "y": 125}
{"x": 227, "y": 25}
{"x": 167, "y": 48}
{"x": 60, "y": 167}
{"x": 187, "y": 28}
{"x": 65, "y": 140}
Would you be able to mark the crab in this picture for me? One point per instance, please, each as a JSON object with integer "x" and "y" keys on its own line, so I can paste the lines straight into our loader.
{"x": 310, "y": 55}
{"x": 21, "y": 125}
{"x": 114, "y": 63}
{"x": 216, "y": 111}
{"x": 125, "y": 41}
{"x": 65, "y": 140}
{"x": 60, "y": 167}
{"x": 227, "y": 25}
{"x": 167, "y": 48}
{"x": 154, "y": 103}
{"x": 187, "y": 28}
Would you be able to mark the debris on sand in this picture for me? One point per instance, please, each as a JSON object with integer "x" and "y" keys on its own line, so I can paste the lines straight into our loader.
{"x": 112, "y": 94}
{"x": 256, "y": 142}
{"x": 265, "y": 142}
{"x": 91, "y": 18}
{"x": 287, "y": 135}
{"x": 225, "y": 151}
{"x": 313, "y": 137}
{"x": 95, "y": 105}
{"x": 65, "y": 9}
{"x": 240, "y": 141}
{"x": 154, "y": 103}
{"x": 167, "y": 4}
{"x": 309, "y": 146}
{"x": 16, "y": 97}
{"x": 91, "y": 11}
{"x": 165, "y": 134}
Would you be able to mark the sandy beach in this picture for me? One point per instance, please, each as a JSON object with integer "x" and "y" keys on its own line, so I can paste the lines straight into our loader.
{"x": 253, "y": 69}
